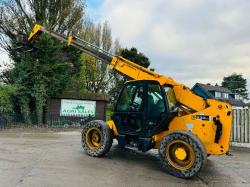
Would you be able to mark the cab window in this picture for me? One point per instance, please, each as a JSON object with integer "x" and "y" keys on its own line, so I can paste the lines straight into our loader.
{"x": 170, "y": 98}
{"x": 131, "y": 98}
{"x": 155, "y": 100}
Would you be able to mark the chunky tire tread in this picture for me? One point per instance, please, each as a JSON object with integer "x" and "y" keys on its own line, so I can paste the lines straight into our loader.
{"x": 106, "y": 141}
{"x": 199, "y": 149}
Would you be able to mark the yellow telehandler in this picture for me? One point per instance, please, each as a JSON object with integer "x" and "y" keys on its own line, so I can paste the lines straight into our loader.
{"x": 155, "y": 112}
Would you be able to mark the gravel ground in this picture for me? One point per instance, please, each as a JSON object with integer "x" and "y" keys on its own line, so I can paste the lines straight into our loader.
{"x": 42, "y": 157}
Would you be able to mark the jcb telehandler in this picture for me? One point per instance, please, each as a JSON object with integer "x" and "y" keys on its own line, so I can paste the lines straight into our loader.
{"x": 155, "y": 112}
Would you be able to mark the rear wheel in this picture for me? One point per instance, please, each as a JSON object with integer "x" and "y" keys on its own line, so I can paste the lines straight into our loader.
{"x": 97, "y": 138}
{"x": 182, "y": 154}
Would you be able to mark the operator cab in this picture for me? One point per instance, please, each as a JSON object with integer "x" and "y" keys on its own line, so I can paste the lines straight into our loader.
{"x": 143, "y": 109}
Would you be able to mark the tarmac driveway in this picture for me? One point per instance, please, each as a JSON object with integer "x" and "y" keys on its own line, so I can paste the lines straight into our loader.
{"x": 42, "y": 157}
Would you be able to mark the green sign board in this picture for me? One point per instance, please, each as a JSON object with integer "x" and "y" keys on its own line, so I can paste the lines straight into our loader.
{"x": 77, "y": 108}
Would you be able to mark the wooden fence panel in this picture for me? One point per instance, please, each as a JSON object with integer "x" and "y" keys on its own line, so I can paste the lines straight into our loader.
{"x": 245, "y": 126}
{"x": 248, "y": 125}
{"x": 241, "y": 126}
{"x": 242, "y": 134}
{"x": 238, "y": 126}
{"x": 233, "y": 127}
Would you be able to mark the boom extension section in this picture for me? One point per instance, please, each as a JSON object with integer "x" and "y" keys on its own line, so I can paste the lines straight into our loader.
{"x": 117, "y": 63}
{"x": 74, "y": 41}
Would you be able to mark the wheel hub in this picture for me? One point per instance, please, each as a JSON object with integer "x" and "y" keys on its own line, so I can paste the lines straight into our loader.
{"x": 180, "y": 153}
{"x": 93, "y": 138}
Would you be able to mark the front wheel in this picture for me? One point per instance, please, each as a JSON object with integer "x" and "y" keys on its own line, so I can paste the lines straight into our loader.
{"x": 182, "y": 154}
{"x": 97, "y": 138}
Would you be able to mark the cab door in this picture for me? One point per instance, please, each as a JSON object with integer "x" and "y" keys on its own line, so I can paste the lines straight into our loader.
{"x": 156, "y": 107}
{"x": 129, "y": 115}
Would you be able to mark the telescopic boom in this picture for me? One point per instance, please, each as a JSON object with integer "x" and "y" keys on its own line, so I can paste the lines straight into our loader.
{"x": 186, "y": 99}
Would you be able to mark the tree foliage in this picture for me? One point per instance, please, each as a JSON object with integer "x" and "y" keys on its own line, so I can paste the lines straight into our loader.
{"x": 42, "y": 70}
{"x": 135, "y": 56}
{"x": 45, "y": 68}
{"x": 18, "y": 17}
{"x": 237, "y": 84}
{"x": 94, "y": 74}
{"x": 7, "y": 92}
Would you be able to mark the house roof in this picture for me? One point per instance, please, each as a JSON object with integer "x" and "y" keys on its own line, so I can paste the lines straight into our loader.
{"x": 209, "y": 87}
{"x": 234, "y": 102}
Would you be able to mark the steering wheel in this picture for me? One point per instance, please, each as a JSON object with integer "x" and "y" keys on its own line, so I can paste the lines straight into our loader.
{"x": 134, "y": 106}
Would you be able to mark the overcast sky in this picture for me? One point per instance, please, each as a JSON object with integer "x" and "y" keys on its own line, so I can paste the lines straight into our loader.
{"x": 189, "y": 40}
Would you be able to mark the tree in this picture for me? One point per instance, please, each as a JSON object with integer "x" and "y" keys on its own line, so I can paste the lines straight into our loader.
{"x": 7, "y": 92}
{"x": 237, "y": 84}
{"x": 132, "y": 55}
{"x": 42, "y": 70}
{"x": 94, "y": 74}
{"x": 135, "y": 56}
{"x": 6, "y": 73}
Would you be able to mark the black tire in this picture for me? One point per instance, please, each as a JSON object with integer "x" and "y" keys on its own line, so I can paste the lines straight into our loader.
{"x": 196, "y": 154}
{"x": 105, "y": 135}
